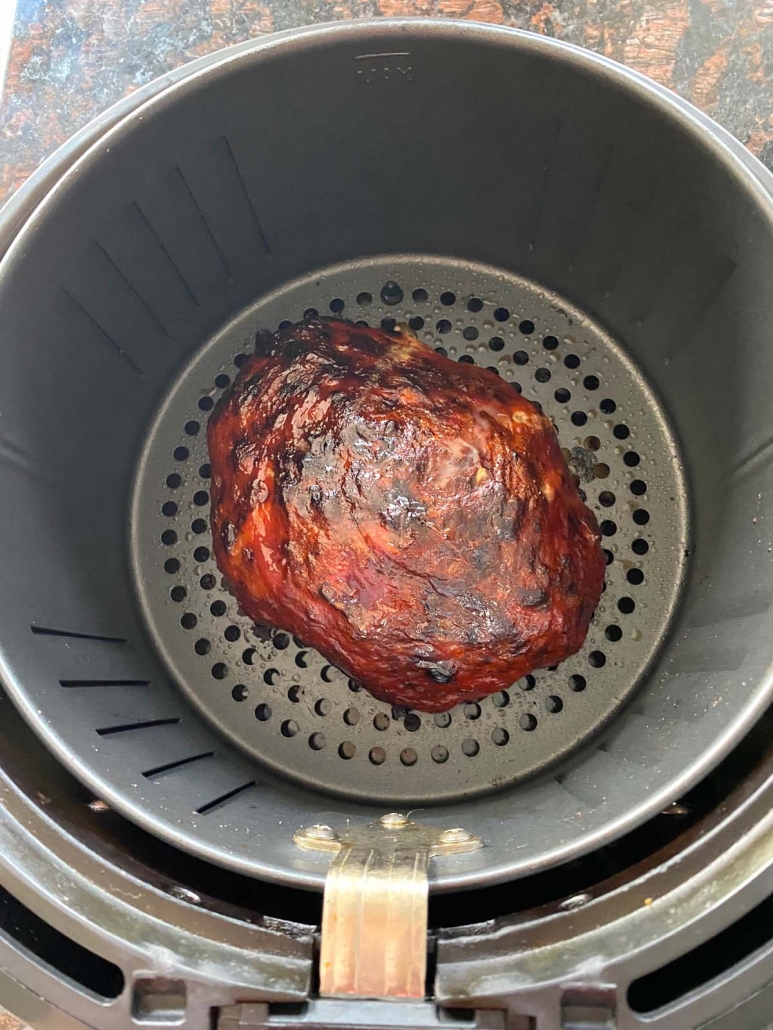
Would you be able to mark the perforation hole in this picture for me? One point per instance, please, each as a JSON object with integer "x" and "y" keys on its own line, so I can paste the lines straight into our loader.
{"x": 347, "y": 750}
{"x": 377, "y": 756}
{"x": 470, "y": 747}
{"x": 577, "y": 683}
{"x": 554, "y": 704}
{"x": 528, "y": 722}
{"x": 439, "y": 754}
{"x": 351, "y": 716}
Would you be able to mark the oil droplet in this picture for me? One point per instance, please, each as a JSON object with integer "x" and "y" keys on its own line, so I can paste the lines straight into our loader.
{"x": 636, "y": 634}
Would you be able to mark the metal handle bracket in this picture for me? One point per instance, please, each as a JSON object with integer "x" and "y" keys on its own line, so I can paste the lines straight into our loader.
{"x": 374, "y": 915}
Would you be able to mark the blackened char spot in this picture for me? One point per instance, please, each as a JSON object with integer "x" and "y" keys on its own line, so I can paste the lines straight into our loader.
{"x": 264, "y": 343}
{"x": 536, "y": 598}
{"x": 251, "y": 386}
{"x": 440, "y": 672}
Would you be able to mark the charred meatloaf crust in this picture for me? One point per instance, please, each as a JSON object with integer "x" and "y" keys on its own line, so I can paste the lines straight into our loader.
{"x": 411, "y": 518}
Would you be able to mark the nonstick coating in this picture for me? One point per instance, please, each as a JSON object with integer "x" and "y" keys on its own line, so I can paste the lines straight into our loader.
{"x": 475, "y": 152}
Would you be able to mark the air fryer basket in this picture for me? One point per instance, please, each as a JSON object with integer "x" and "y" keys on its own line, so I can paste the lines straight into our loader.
{"x": 516, "y": 203}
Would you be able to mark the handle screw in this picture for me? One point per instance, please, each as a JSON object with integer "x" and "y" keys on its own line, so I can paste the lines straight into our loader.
{"x": 394, "y": 821}
{"x": 455, "y": 836}
{"x": 320, "y": 832}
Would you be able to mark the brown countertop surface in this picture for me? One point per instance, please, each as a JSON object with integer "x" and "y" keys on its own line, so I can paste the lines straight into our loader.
{"x": 70, "y": 59}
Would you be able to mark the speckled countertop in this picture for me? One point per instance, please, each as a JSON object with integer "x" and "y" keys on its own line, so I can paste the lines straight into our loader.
{"x": 69, "y": 59}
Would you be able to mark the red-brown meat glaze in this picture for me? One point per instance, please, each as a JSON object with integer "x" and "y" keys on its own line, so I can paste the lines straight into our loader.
{"x": 411, "y": 518}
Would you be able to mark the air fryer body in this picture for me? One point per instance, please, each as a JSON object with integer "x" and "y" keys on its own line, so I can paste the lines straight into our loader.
{"x": 543, "y": 213}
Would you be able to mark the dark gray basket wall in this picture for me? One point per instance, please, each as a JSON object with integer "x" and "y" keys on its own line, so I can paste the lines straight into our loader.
{"x": 470, "y": 143}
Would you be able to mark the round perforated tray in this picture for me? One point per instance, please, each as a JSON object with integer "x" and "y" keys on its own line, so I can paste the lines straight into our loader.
{"x": 290, "y": 708}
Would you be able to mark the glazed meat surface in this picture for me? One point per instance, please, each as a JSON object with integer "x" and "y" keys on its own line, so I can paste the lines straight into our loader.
{"x": 411, "y": 518}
